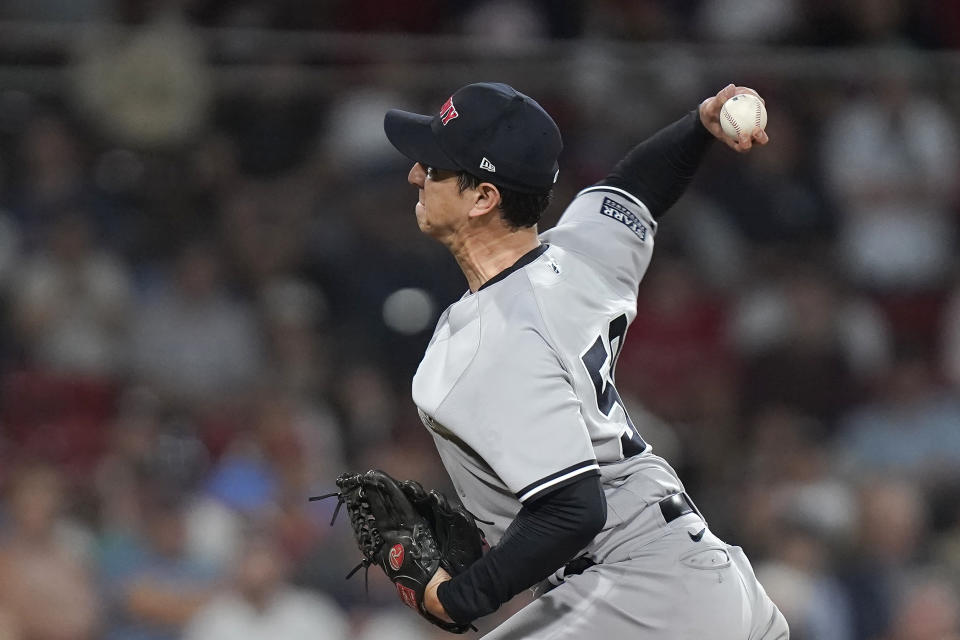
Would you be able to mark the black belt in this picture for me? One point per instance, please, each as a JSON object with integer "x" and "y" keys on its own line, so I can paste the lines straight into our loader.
{"x": 679, "y": 504}
{"x": 672, "y": 507}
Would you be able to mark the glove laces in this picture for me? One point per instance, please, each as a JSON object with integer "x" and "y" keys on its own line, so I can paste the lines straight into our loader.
{"x": 366, "y": 562}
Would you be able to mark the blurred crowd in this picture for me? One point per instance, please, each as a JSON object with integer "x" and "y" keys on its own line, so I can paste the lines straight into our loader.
{"x": 212, "y": 303}
{"x": 923, "y": 23}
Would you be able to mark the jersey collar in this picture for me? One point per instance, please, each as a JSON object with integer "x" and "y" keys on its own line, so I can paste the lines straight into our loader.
{"x": 524, "y": 260}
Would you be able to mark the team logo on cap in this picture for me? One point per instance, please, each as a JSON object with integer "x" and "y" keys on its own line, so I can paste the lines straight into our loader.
{"x": 448, "y": 112}
{"x": 396, "y": 556}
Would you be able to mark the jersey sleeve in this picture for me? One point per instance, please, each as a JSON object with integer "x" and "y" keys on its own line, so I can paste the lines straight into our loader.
{"x": 522, "y": 417}
{"x": 610, "y": 227}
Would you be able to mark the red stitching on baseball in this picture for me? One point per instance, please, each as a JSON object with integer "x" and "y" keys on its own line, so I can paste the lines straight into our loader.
{"x": 733, "y": 123}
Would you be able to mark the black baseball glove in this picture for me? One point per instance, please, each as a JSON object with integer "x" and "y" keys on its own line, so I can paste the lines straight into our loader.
{"x": 409, "y": 533}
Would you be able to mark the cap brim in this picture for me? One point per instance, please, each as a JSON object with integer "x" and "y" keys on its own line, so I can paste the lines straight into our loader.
{"x": 412, "y": 135}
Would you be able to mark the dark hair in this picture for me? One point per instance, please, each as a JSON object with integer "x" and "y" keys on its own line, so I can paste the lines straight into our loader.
{"x": 517, "y": 209}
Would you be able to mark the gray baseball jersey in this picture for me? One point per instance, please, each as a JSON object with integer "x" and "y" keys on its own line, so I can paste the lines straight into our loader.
{"x": 517, "y": 389}
{"x": 516, "y": 385}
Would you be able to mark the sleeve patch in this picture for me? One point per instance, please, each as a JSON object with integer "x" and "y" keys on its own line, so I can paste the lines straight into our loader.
{"x": 615, "y": 210}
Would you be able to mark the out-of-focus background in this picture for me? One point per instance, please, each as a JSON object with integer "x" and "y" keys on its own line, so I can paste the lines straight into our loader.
{"x": 213, "y": 295}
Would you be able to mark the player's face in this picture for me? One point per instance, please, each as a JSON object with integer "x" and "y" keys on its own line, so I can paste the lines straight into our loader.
{"x": 441, "y": 208}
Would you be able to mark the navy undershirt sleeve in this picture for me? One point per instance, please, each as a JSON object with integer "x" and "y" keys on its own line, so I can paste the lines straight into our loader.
{"x": 658, "y": 170}
{"x": 545, "y": 535}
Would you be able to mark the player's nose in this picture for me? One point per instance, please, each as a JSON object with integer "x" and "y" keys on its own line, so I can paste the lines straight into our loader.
{"x": 417, "y": 175}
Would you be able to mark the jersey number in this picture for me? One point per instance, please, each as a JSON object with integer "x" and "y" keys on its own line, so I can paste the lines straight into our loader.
{"x": 594, "y": 360}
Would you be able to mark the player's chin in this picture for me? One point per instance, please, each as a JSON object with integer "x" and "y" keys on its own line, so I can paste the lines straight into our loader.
{"x": 421, "y": 214}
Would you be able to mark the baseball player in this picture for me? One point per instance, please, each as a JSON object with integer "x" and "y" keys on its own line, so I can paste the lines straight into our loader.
{"x": 517, "y": 384}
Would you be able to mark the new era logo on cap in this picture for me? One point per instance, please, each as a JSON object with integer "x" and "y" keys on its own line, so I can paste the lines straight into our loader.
{"x": 486, "y": 165}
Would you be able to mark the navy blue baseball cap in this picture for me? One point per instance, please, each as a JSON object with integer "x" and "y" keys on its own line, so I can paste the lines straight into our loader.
{"x": 488, "y": 129}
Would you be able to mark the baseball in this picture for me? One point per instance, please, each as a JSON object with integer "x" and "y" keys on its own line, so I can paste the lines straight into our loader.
{"x": 743, "y": 113}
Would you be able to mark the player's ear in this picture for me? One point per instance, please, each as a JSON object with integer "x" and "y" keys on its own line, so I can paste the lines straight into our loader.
{"x": 486, "y": 199}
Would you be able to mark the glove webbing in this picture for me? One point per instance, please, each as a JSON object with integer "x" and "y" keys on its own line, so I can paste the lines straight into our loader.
{"x": 366, "y": 562}
{"x": 366, "y": 533}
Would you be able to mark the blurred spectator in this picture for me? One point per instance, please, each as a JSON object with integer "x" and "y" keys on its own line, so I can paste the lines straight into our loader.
{"x": 261, "y": 241}
{"x": 261, "y": 605}
{"x": 643, "y": 20}
{"x": 242, "y": 479}
{"x": 214, "y": 167}
{"x": 301, "y": 441}
{"x": 295, "y": 322}
{"x": 148, "y": 446}
{"x": 122, "y": 477}
{"x": 796, "y": 513}
{"x": 677, "y": 360}
{"x": 50, "y": 174}
{"x": 505, "y": 25}
{"x": 153, "y": 585}
{"x": 892, "y": 523}
{"x": 8, "y": 626}
{"x": 810, "y": 598}
{"x": 368, "y": 405}
{"x": 46, "y": 586}
{"x": 9, "y": 248}
{"x": 909, "y": 428}
{"x": 890, "y": 159}
{"x": 787, "y": 204}
{"x": 241, "y": 488}
{"x": 950, "y": 338}
{"x": 808, "y": 345}
{"x": 72, "y": 304}
{"x": 352, "y": 143}
{"x": 275, "y": 122}
{"x": 929, "y": 610}
{"x": 146, "y": 87}
{"x": 279, "y": 455}
{"x": 396, "y": 624}
{"x": 192, "y": 339}
{"x": 791, "y": 483}
{"x": 878, "y": 22}
{"x": 946, "y": 546}
{"x": 865, "y": 22}
{"x": 58, "y": 418}
{"x": 748, "y": 21}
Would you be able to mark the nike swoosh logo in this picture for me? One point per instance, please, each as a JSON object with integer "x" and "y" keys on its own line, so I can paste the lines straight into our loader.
{"x": 697, "y": 537}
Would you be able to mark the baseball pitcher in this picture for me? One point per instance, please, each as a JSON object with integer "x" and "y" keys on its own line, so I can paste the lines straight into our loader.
{"x": 517, "y": 389}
